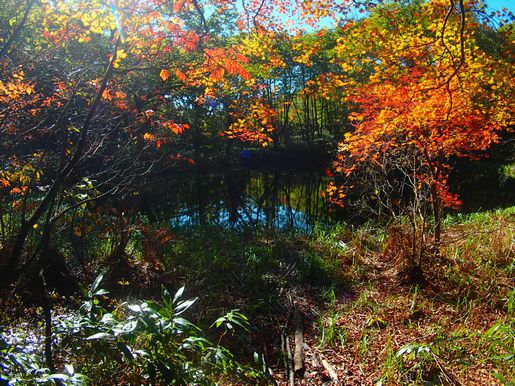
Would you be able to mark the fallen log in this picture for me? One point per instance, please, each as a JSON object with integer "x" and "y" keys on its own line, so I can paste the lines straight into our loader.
{"x": 291, "y": 374}
{"x": 298, "y": 356}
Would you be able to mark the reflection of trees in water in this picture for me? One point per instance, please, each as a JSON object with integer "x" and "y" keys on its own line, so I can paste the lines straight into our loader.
{"x": 239, "y": 198}
{"x": 234, "y": 185}
{"x": 278, "y": 199}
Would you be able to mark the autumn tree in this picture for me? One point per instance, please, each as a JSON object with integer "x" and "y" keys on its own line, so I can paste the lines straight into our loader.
{"x": 93, "y": 92}
{"x": 423, "y": 90}
{"x": 71, "y": 132}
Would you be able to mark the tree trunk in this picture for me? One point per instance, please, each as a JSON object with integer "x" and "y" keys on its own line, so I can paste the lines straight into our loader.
{"x": 437, "y": 215}
{"x": 7, "y": 272}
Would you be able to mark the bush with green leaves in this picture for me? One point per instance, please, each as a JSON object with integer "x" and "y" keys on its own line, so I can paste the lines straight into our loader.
{"x": 21, "y": 363}
{"x": 152, "y": 342}
{"x": 135, "y": 343}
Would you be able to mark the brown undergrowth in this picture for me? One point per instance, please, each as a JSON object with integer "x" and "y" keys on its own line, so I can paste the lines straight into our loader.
{"x": 456, "y": 329}
{"x": 369, "y": 325}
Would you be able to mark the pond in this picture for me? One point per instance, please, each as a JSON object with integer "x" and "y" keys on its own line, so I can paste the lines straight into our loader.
{"x": 244, "y": 196}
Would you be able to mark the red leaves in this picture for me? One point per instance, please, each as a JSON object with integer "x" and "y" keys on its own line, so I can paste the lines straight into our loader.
{"x": 242, "y": 58}
{"x": 180, "y": 157}
{"x": 219, "y": 60}
{"x": 176, "y": 128}
{"x": 177, "y": 5}
{"x": 244, "y": 74}
{"x": 217, "y": 74}
{"x": 191, "y": 41}
{"x": 159, "y": 138}
{"x": 234, "y": 68}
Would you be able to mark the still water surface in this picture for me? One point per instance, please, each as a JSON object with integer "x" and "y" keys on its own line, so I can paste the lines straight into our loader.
{"x": 243, "y": 197}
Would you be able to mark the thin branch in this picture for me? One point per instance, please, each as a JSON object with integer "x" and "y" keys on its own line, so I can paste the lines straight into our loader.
{"x": 17, "y": 31}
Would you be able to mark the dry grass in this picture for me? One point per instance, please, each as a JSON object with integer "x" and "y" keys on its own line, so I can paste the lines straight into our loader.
{"x": 468, "y": 291}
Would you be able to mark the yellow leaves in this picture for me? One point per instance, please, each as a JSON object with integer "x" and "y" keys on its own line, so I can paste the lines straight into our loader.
{"x": 165, "y": 74}
{"x": 18, "y": 176}
{"x": 120, "y": 56}
{"x": 16, "y": 88}
{"x": 277, "y": 62}
{"x": 335, "y": 194}
{"x": 253, "y": 122}
{"x": 346, "y": 67}
{"x": 209, "y": 92}
{"x": 255, "y": 45}
{"x": 355, "y": 117}
{"x": 306, "y": 51}
{"x": 78, "y": 20}
{"x": 149, "y": 137}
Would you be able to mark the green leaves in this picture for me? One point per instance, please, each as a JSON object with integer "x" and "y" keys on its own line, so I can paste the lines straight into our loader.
{"x": 101, "y": 335}
{"x": 155, "y": 339}
{"x": 414, "y": 350}
{"x": 501, "y": 341}
{"x": 95, "y": 289}
{"x": 177, "y": 295}
{"x": 233, "y": 317}
{"x": 21, "y": 364}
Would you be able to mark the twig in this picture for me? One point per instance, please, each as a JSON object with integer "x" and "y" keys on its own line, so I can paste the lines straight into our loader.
{"x": 327, "y": 366}
{"x": 450, "y": 377}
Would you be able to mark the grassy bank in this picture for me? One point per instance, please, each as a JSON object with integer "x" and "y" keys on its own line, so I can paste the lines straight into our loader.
{"x": 357, "y": 314}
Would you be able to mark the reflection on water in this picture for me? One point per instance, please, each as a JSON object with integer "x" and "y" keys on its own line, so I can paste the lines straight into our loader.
{"x": 241, "y": 198}
{"x": 249, "y": 214}
{"x": 248, "y": 198}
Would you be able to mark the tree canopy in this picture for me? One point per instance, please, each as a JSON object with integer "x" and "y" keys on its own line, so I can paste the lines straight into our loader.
{"x": 95, "y": 94}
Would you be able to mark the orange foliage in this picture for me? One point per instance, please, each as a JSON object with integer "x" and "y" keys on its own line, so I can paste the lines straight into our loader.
{"x": 421, "y": 85}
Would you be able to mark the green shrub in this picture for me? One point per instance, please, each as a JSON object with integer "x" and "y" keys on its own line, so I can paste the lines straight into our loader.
{"x": 137, "y": 343}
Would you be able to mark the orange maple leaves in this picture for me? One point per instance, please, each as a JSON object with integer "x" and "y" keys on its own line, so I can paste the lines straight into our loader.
{"x": 253, "y": 122}
{"x": 418, "y": 84}
{"x": 159, "y": 139}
